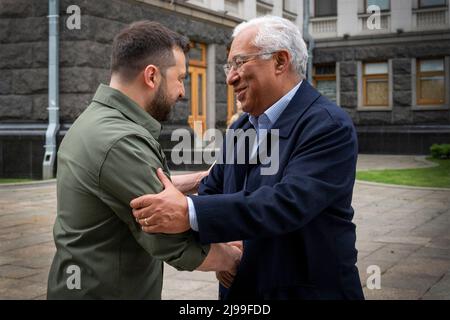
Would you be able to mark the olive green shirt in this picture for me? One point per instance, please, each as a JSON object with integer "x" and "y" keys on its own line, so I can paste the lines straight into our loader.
{"x": 107, "y": 158}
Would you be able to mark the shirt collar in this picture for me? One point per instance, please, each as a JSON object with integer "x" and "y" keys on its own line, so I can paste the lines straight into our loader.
{"x": 115, "y": 99}
{"x": 271, "y": 115}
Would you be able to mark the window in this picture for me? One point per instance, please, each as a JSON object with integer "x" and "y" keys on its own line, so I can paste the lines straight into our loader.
{"x": 231, "y": 103}
{"x": 430, "y": 81}
{"x": 375, "y": 84}
{"x": 197, "y": 93}
{"x": 432, "y": 3}
{"x": 325, "y": 8}
{"x": 231, "y": 100}
{"x": 324, "y": 79}
{"x": 197, "y": 54}
{"x": 383, "y": 4}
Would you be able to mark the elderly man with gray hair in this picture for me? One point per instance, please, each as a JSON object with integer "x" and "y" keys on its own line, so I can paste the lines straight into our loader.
{"x": 296, "y": 224}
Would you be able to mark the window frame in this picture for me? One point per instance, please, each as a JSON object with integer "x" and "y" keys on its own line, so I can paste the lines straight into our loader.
{"x": 366, "y": 77}
{"x": 420, "y": 6}
{"x": 202, "y": 47}
{"x": 325, "y": 77}
{"x": 197, "y": 68}
{"x": 383, "y": 10}
{"x": 419, "y": 74}
{"x": 323, "y": 16}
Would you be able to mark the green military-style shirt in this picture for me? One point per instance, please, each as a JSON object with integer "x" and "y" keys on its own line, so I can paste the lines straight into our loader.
{"x": 107, "y": 158}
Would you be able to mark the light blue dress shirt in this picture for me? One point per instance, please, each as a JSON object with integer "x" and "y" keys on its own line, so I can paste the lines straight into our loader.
{"x": 265, "y": 121}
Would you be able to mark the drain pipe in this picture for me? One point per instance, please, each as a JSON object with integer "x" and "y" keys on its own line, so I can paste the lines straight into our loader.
{"x": 53, "y": 90}
{"x": 307, "y": 36}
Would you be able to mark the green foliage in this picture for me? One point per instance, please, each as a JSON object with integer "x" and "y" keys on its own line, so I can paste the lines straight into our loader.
{"x": 440, "y": 151}
{"x": 2, "y": 180}
{"x": 438, "y": 176}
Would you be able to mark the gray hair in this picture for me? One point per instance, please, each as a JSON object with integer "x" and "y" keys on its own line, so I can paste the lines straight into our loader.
{"x": 276, "y": 33}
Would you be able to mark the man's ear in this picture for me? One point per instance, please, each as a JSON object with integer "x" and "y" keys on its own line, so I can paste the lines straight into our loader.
{"x": 151, "y": 74}
{"x": 282, "y": 59}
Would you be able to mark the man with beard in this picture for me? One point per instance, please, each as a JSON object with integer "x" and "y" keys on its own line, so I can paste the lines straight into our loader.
{"x": 110, "y": 156}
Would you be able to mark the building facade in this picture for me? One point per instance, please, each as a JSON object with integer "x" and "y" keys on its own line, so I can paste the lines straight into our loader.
{"x": 388, "y": 67}
{"x": 388, "y": 70}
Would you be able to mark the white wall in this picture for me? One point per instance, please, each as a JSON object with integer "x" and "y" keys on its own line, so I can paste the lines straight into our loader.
{"x": 218, "y": 5}
{"x": 347, "y": 17}
{"x": 249, "y": 9}
{"x": 277, "y": 8}
{"x": 299, "y": 20}
{"x": 401, "y": 15}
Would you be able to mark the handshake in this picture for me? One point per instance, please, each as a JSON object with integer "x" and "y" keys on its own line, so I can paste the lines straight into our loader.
{"x": 232, "y": 251}
{"x": 167, "y": 212}
{"x": 228, "y": 259}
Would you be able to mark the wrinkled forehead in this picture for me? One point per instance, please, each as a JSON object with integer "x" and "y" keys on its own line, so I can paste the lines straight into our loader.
{"x": 243, "y": 43}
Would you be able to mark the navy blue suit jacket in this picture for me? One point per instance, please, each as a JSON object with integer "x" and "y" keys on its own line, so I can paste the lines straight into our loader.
{"x": 299, "y": 241}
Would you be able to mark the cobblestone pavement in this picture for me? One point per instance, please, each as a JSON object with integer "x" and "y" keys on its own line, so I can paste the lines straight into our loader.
{"x": 403, "y": 231}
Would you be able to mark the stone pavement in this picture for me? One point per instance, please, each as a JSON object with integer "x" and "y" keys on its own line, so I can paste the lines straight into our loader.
{"x": 403, "y": 231}
{"x": 379, "y": 162}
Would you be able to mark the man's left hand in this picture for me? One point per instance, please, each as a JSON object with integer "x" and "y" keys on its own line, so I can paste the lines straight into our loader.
{"x": 165, "y": 212}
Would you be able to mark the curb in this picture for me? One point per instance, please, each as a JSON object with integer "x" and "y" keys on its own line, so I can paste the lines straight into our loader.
{"x": 369, "y": 183}
{"x": 27, "y": 184}
{"x": 422, "y": 159}
{"x": 376, "y": 184}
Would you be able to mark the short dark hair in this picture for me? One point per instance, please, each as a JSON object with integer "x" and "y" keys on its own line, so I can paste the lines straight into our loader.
{"x": 143, "y": 43}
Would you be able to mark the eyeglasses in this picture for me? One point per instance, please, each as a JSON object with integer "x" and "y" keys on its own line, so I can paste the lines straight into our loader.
{"x": 239, "y": 60}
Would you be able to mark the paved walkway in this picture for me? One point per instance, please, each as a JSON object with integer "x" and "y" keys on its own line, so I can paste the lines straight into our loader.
{"x": 405, "y": 232}
{"x": 379, "y": 162}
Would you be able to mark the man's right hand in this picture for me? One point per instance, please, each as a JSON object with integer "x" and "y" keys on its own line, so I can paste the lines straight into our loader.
{"x": 188, "y": 183}
{"x": 226, "y": 278}
{"x": 222, "y": 257}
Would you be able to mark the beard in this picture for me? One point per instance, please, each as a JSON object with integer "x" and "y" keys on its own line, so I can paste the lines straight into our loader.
{"x": 160, "y": 107}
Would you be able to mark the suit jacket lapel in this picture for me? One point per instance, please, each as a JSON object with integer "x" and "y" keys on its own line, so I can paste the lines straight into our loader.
{"x": 301, "y": 101}
{"x": 240, "y": 169}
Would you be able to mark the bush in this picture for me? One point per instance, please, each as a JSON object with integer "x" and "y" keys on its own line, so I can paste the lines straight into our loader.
{"x": 440, "y": 151}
